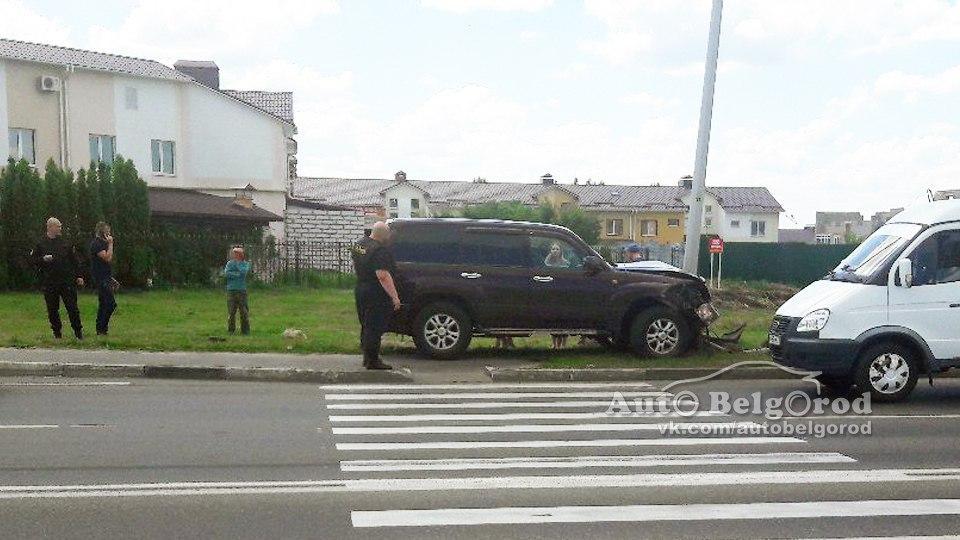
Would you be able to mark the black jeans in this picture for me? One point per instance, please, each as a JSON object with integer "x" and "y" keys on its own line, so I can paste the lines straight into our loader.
{"x": 375, "y": 314}
{"x": 237, "y": 301}
{"x": 52, "y": 295}
{"x": 106, "y": 305}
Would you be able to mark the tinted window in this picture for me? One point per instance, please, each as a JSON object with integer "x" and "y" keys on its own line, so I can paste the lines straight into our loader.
{"x": 437, "y": 245}
{"x": 492, "y": 249}
{"x": 549, "y": 252}
{"x": 937, "y": 259}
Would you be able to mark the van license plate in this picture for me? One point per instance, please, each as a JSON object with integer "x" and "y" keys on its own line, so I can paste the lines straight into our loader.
{"x": 774, "y": 339}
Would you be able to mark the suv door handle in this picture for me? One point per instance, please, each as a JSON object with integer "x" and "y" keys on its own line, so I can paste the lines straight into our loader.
{"x": 471, "y": 275}
{"x": 954, "y": 305}
{"x": 542, "y": 279}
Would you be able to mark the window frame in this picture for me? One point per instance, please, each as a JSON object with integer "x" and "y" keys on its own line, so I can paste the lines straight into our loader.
{"x": 734, "y": 223}
{"x": 33, "y": 144}
{"x": 465, "y": 244}
{"x": 673, "y": 223}
{"x": 99, "y": 140}
{"x": 656, "y": 228}
{"x": 537, "y": 263}
{"x": 937, "y": 245}
{"x": 615, "y": 225}
{"x": 760, "y": 226}
{"x": 159, "y": 143}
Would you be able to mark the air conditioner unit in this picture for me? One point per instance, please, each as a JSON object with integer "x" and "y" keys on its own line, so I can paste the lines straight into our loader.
{"x": 49, "y": 83}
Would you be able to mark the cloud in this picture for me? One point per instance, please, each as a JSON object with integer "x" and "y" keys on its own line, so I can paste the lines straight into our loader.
{"x": 576, "y": 70}
{"x": 23, "y": 23}
{"x": 692, "y": 69}
{"x": 647, "y": 100}
{"x": 470, "y": 6}
{"x": 186, "y": 29}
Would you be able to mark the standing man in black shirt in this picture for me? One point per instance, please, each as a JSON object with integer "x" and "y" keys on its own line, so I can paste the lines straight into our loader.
{"x": 59, "y": 277}
{"x": 101, "y": 256}
{"x": 376, "y": 292}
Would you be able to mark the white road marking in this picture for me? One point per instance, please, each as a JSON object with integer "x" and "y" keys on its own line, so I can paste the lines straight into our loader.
{"x": 649, "y": 402}
{"x": 470, "y": 445}
{"x": 29, "y": 426}
{"x": 490, "y": 395}
{"x": 653, "y": 512}
{"x": 69, "y": 383}
{"x": 512, "y": 416}
{"x": 872, "y": 417}
{"x": 841, "y": 476}
{"x": 538, "y": 428}
{"x": 391, "y": 465}
{"x": 478, "y": 386}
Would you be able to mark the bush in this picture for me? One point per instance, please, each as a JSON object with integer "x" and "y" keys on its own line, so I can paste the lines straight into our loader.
{"x": 21, "y": 222}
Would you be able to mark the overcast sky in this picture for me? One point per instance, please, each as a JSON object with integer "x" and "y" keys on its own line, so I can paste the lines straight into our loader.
{"x": 832, "y": 105}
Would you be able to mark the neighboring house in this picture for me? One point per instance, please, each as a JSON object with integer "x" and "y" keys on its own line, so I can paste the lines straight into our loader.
{"x": 179, "y": 128}
{"x": 645, "y": 214}
{"x": 806, "y": 235}
{"x": 842, "y": 227}
{"x": 317, "y": 222}
{"x": 881, "y": 218}
{"x": 192, "y": 209}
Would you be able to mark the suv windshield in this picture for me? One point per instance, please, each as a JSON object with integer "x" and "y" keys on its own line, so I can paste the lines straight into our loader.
{"x": 874, "y": 252}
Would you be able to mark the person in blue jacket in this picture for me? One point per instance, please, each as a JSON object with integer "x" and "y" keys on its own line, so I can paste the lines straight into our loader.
{"x": 236, "y": 272}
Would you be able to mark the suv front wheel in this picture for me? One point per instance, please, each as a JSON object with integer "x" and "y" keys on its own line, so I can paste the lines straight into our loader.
{"x": 660, "y": 332}
{"x": 442, "y": 330}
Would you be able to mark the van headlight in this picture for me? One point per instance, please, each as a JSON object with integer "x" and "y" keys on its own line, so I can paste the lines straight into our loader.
{"x": 814, "y": 321}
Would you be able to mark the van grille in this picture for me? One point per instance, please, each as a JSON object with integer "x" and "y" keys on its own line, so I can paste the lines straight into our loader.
{"x": 780, "y": 325}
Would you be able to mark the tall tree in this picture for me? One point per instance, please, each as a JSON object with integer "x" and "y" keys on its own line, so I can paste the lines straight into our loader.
{"x": 89, "y": 210}
{"x": 60, "y": 198}
{"x": 21, "y": 221}
{"x": 132, "y": 225}
{"x": 105, "y": 181}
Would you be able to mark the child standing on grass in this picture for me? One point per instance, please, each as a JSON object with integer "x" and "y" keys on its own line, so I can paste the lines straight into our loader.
{"x": 236, "y": 272}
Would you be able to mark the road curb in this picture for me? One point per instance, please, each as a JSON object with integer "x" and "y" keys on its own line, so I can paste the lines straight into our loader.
{"x": 330, "y": 376}
{"x": 497, "y": 374}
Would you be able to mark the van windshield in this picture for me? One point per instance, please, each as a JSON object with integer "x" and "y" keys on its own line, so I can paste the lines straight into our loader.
{"x": 874, "y": 252}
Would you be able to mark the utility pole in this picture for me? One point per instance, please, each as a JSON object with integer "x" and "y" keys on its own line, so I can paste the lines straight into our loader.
{"x": 691, "y": 254}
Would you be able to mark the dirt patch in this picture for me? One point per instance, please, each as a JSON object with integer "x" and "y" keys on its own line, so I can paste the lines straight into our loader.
{"x": 738, "y": 295}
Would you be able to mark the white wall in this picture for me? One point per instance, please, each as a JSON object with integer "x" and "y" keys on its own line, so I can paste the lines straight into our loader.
{"x": 231, "y": 144}
{"x": 742, "y": 233}
{"x": 404, "y": 193}
{"x": 157, "y": 117}
{"x": 4, "y": 122}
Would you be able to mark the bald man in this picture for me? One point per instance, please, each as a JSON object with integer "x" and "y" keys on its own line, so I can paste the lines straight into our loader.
{"x": 376, "y": 293}
{"x": 60, "y": 276}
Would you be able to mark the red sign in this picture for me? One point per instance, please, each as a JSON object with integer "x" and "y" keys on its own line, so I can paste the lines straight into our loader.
{"x": 716, "y": 245}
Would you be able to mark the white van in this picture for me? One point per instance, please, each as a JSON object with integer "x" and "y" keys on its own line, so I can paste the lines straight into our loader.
{"x": 887, "y": 313}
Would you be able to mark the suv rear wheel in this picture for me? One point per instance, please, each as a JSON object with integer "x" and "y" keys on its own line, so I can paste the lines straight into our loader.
{"x": 888, "y": 371}
{"x": 660, "y": 332}
{"x": 442, "y": 330}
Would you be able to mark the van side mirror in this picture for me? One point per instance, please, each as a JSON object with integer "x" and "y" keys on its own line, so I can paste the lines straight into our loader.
{"x": 594, "y": 265}
{"x": 905, "y": 271}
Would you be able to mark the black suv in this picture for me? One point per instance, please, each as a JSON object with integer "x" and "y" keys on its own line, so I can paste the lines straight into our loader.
{"x": 460, "y": 278}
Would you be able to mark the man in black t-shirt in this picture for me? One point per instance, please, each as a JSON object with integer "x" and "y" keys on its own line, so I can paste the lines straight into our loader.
{"x": 101, "y": 255}
{"x": 59, "y": 277}
{"x": 376, "y": 293}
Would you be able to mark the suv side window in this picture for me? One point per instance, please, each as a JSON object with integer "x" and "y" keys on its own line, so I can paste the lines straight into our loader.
{"x": 494, "y": 249}
{"x": 937, "y": 259}
{"x": 551, "y": 252}
{"x": 432, "y": 245}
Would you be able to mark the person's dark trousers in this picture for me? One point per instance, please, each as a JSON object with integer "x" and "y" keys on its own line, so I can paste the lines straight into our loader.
{"x": 237, "y": 301}
{"x": 52, "y": 296}
{"x": 374, "y": 314}
{"x": 106, "y": 306}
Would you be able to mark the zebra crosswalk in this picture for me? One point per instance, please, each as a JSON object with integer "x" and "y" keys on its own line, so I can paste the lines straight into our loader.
{"x": 499, "y": 437}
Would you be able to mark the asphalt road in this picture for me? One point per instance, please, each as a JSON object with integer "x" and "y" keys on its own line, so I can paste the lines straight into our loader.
{"x": 161, "y": 459}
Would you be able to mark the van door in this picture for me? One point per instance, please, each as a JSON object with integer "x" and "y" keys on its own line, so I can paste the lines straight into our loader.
{"x": 562, "y": 294}
{"x": 931, "y": 306}
{"x": 495, "y": 276}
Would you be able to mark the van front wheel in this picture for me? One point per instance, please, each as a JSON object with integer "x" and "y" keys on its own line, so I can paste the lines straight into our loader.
{"x": 888, "y": 371}
{"x": 442, "y": 331}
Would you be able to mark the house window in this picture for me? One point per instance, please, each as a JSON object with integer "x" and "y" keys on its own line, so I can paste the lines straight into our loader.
{"x": 131, "y": 98}
{"x": 614, "y": 227}
{"x": 708, "y": 222}
{"x": 394, "y": 215}
{"x": 393, "y": 203}
{"x": 735, "y": 224}
{"x": 21, "y": 145}
{"x": 163, "y": 156}
{"x": 758, "y": 228}
{"x": 708, "y": 208}
{"x": 673, "y": 222}
{"x": 414, "y": 207}
{"x": 102, "y": 148}
{"x": 648, "y": 227}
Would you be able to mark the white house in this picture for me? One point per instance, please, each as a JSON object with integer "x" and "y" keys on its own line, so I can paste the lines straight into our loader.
{"x": 179, "y": 128}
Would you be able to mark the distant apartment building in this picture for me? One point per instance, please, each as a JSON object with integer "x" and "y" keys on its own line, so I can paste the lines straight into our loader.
{"x": 627, "y": 214}
{"x": 182, "y": 131}
{"x": 849, "y": 227}
{"x": 806, "y": 235}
